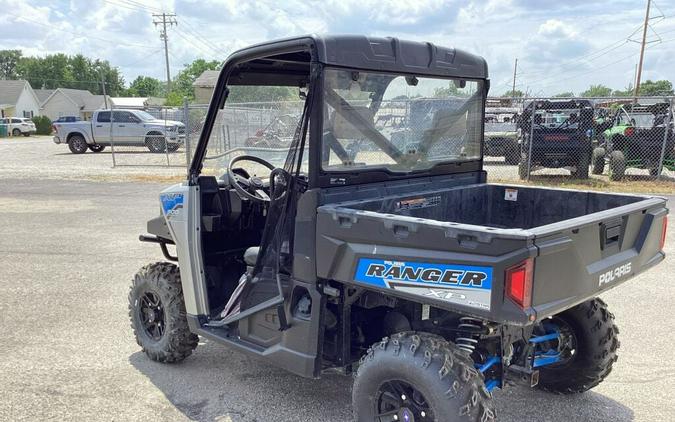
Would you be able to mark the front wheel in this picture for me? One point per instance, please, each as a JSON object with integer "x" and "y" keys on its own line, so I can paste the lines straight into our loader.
{"x": 588, "y": 348}
{"x": 617, "y": 165}
{"x": 157, "y": 313}
{"x": 16, "y": 132}
{"x": 419, "y": 377}
{"x": 599, "y": 160}
{"x": 155, "y": 142}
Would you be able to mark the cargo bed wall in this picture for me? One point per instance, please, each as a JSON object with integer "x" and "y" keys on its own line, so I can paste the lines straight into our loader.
{"x": 492, "y": 206}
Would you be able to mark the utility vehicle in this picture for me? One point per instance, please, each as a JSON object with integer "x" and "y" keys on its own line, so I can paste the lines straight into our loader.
{"x": 402, "y": 267}
{"x": 125, "y": 128}
{"x": 556, "y": 134}
{"x": 637, "y": 139}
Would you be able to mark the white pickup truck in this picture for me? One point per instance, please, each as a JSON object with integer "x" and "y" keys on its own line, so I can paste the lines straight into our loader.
{"x": 126, "y": 128}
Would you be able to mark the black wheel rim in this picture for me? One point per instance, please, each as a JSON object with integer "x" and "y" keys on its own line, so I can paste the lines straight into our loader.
{"x": 399, "y": 401}
{"x": 151, "y": 313}
{"x": 158, "y": 144}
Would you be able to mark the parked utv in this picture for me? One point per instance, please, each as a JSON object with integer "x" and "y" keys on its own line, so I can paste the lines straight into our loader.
{"x": 637, "y": 139}
{"x": 400, "y": 266}
{"x": 558, "y": 135}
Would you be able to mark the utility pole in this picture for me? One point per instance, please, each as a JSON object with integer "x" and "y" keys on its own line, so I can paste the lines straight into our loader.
{"x": 164, "y": 19}
{"x": 515, "y": 70}
{"x": 636, "y": 92}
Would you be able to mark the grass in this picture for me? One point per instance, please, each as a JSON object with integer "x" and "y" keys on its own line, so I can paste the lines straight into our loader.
{"x": 630, "y": 184}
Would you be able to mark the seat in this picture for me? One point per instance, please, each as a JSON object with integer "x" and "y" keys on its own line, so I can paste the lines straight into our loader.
{"x": 251, "y": 255}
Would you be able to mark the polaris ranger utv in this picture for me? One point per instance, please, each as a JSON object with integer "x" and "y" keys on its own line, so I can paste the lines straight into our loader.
{"x": 401, "y": 267}
{"x": 556, "y": 134}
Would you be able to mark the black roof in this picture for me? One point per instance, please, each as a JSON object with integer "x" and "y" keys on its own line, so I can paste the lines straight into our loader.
{"x": 375, "y": 53}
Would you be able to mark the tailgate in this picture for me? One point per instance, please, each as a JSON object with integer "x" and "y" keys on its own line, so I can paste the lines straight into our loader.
{"x": 595, "y": 253}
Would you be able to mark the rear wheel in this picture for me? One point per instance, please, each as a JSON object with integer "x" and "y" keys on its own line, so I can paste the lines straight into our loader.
{"x": 588, "y": 351}
{"x": 617, "y": 165}
{"x": 582, "y": 166}
{"x": 157, "y": 313}
{"x": 96, "y": 148}
{"x": 419, "y": 377}
{"x": 77, "y": 144}
{"x": 599, "y": 160}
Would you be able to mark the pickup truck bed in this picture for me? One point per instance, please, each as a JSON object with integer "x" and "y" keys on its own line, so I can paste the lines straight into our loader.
{"x": 437, "y": 235}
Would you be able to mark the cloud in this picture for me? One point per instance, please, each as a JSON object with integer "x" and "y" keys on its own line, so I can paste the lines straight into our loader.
{"x": 553, "y": 40}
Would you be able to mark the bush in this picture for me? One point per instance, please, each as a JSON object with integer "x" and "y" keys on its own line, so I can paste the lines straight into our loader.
{"x": 43, "y": 125}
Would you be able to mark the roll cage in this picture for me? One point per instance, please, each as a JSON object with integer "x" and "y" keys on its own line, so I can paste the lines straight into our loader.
{"x": 299, "y": 62}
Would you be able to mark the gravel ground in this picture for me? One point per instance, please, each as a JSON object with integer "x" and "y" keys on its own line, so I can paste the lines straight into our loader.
{"x": 68, "y": 250}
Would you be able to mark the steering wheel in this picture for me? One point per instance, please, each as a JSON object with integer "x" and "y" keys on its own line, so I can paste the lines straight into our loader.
{"x": 252, "y": 187}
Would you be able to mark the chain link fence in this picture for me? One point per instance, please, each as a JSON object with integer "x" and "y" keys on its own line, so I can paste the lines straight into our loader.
{"x": 527, "y": 140}
{"x": 576, "y": 139}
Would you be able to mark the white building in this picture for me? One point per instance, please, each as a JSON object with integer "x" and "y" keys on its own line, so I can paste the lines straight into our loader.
{"x": 17, "y": 99}
{"x": 73, "y": 102}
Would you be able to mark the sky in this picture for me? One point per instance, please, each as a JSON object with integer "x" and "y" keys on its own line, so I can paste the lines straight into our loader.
{"x": 561, "y": 46}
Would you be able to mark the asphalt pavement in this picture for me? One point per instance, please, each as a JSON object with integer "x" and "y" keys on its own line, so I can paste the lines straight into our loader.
{"x": 68, "y": 250}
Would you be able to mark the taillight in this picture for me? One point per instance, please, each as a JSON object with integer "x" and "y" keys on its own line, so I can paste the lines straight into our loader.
{"x": 629, "y": 131}
{"x": 663, "y": 232}
{"x": 519, "y": 283}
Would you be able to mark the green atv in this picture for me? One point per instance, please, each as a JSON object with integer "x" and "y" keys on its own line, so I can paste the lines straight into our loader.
{"x": 637, "y": 139}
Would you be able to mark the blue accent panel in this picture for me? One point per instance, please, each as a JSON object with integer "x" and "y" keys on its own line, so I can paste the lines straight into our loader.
{"x": 492, "y": 384}
{"x": 378, "y": 272}
{"x": 171, "y": 201}
{"x": 546, "y": 337}
{"x": 488, "y": 363}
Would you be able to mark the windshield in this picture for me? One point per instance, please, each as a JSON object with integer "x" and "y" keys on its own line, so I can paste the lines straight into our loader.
{"x": 145, "y": 116}
{"x": 400, "y": 123}
{"x": 558, "y": 119}
{"x": 645, "y": 120}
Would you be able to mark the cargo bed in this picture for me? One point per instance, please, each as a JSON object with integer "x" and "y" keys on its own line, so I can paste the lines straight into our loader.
{"x": 597, "y": 240}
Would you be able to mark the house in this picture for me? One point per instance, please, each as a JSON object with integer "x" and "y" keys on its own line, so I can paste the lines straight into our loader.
{"x": 43, "y": 94}
{"x": 73, "y": 102}
{"x": 139, "y": 103}
{"x": 204, "y": 85}
{"x": 17, "y": 99}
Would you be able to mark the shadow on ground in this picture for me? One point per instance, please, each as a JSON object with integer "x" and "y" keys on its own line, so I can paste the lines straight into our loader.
{"x": 219, "y": 384}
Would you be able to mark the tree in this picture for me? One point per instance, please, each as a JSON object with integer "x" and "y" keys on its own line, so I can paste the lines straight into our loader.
{"x": 77, "y": 72}
{"x": 567, "y": 94}
{"x": 250, "y": 94}
{"x": 597, "y": 91}
{"x": 181, "y": 86}
{"x": 451, "y": 90}
{"x": 8, "y": 62}
{"x": 654, "y": 88}
{"x": 144, "y": 86}
{"x": 517, "y": 93}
